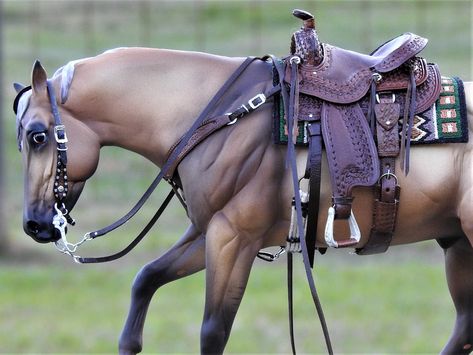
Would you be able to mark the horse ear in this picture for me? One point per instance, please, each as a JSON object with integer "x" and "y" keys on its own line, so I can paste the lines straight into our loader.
{"x": 38, "y": 77}
{"x": 18, "y": 87}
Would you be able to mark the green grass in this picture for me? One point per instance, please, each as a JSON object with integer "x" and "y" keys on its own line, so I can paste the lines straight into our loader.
{"x": 369, "y": 309}
{"x": 393, "y": 303}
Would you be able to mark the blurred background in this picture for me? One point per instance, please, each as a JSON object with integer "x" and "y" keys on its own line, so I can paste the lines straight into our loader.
{"x": 396, "y": 302}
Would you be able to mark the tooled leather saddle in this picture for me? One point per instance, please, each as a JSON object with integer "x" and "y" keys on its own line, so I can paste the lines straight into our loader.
{"x": 354, "y": 103}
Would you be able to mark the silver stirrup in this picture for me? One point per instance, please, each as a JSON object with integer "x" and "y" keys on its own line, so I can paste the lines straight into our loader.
{"x": 355, "y": 233}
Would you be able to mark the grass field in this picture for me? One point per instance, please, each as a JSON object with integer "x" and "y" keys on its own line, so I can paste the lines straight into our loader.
{"x": 392, "y": 303}
{"x": 372, "y": 306}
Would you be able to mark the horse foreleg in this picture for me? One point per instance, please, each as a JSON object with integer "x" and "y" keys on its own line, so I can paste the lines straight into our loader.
{"x": 459, "y": 269}
{"x": 229, "y": 257}
{"x": 186, "y": 257}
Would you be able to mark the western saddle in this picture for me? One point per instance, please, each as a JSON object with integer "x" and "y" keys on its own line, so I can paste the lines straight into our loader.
{"x": 354, "y": 103}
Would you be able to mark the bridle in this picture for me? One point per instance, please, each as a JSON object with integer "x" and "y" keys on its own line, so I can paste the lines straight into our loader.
{"x": 61, "y": 184}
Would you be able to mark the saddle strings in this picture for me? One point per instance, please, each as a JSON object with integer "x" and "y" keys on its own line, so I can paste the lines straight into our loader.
{"x": 408, "y": 121}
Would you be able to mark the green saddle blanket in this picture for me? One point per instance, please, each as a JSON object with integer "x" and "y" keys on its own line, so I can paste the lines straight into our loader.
{"x": 445, "y": 122}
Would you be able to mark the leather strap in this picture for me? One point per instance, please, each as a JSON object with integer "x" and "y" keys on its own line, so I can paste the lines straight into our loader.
{"x": 210, "y": 126}
{"x": 387, "y": 191}
{"x": 313, "y": 173}
{"x": 290, "y": 301}
{"x": 385, "y": 209}
{"x": 408, "y": 122}
{"x": 134, "y": 243}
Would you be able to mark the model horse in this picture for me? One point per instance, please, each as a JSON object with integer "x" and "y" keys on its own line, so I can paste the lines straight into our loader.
{"x": 237, "y": 188}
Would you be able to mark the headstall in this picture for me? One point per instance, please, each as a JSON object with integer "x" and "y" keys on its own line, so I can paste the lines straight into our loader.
{"x": 61, "y": 184}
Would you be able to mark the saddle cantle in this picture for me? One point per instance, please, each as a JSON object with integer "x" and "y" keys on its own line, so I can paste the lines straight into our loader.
{"x": 355, "y": 102}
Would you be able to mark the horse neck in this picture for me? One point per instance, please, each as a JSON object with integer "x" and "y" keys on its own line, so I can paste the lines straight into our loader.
{"x": 144, "y": 100}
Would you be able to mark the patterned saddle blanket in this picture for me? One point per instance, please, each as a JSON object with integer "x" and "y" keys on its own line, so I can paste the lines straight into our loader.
{"x": 443, "y": 122}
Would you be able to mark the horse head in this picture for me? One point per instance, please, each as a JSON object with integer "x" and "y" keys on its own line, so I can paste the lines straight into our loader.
{"x": 56, "y": 165}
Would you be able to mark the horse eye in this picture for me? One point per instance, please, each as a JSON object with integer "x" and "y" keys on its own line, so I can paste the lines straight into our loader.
{"x": 40, "y": 138}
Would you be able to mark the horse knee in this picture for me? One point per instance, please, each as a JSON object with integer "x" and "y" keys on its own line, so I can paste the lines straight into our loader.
{"x": 146, "y": 282}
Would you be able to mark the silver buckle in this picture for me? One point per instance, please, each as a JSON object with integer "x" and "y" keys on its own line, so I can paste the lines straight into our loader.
{"x": 257, "y": 101}
{"x": 393, "y": 98}
{"x": 57, "y": 129}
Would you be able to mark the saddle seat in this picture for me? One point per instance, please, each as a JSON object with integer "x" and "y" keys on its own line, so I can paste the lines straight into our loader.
{"x": 344, "y": 76}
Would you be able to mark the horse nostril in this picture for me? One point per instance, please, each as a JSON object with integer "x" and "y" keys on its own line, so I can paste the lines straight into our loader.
{"x": 32, "y": 227}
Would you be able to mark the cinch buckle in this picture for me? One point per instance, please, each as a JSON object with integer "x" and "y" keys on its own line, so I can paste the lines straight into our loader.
{"x": 393, "y": 98}
{"x": 257, "y": 101}
{"x": 57, "y": 129}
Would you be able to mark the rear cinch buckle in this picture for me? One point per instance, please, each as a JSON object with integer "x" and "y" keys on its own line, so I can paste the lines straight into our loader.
{"x": 388, "y": 175}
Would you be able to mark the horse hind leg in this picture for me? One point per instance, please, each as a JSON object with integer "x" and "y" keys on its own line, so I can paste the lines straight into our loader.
{"x": 186, "y": 257}
{"x": 459, "y": 270}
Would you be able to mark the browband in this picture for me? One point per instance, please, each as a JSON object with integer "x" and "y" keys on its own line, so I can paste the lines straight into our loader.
{"x": 18, "y": 96}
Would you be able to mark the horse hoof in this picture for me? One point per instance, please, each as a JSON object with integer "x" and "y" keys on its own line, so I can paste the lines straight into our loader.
{"x": 129, "y": 348}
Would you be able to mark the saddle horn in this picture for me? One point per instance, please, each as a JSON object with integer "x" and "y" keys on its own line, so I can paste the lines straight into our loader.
{"x": 305, "y": 16}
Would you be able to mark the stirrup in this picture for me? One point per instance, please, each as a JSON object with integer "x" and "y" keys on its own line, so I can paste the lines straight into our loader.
{"x": 355, "y": 234}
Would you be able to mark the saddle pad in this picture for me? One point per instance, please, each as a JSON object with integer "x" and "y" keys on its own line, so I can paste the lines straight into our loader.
{"x": 445, "y": 122}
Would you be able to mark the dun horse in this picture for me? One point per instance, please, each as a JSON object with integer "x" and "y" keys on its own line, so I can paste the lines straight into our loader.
{"x": 237, "y": 188}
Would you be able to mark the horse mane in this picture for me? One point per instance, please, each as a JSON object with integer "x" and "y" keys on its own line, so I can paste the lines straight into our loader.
{"x": 67, "y": 74}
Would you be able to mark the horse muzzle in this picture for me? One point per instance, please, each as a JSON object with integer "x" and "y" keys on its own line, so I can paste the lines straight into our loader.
{"x": 41, "y": 230}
